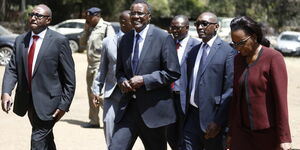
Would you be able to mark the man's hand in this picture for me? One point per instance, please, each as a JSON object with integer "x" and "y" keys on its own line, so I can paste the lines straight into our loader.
{"x": 126, "y": 87}
{"x": 285, "y": 146}
{"x": 212, "y": 130}
{"x": 136, "y": 82}
{"x": 58, "y": 114}
{"x": 6, "y": 102}
{"x": 97, "y": 101}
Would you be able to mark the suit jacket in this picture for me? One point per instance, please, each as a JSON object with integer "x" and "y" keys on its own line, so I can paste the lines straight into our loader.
{"x": 260, "y": 95}
{"x": 53, "y": 78}
{"x": 159, "y": 66}
{"x": 107, "y": 70}
{"x": 190, "y": 44}
{"x": 213, "y": 85}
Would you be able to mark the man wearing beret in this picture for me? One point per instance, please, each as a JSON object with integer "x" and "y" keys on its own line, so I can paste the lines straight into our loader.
{"x": 96, "y": 29}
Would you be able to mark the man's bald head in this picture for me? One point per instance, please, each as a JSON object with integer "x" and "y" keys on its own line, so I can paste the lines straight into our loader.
{"x": 182, "y": 19}
{"x": 46, "y": 8}
{"x": 125, "y": 13}
{"x": 207, "y": 26}
{"x": 210, "y": 16}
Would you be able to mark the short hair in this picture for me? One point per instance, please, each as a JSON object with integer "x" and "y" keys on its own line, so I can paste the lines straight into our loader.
{"x": 250, "y": 27}
{"x": 143, "y": 2}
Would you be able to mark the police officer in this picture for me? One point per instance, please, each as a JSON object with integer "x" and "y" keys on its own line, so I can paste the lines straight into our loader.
{"x": 96, "y": 29}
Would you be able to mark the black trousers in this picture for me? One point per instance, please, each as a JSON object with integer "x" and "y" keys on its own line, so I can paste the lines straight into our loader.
{"x": 132, "y": 126}
{"x": 42, "y": 135}
{"x": 193, "y": 136}
{"x": 175, "y": 130}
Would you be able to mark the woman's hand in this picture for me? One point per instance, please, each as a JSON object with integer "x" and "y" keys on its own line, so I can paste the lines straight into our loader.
{"x": 285, "y": 146}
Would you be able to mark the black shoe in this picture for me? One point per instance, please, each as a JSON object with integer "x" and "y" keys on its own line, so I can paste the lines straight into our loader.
{"x": 88, "y": 125}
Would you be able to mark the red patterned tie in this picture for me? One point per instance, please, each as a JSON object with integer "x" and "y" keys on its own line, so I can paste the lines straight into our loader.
{"x": 30, "y": 58}
{"x": 177, "y": 47}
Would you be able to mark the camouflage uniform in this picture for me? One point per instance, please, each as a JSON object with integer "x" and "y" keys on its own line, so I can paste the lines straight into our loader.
{"x": 93, "y": 40}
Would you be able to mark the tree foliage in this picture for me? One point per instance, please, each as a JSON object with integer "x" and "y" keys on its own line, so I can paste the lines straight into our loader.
{"x": 276, "y": 13}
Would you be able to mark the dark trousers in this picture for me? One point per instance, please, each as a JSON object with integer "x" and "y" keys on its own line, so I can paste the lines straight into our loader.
{"x": 193, "y": 136}
{"x": 132, "y": 126}
{"x": 175, "y": 130}
{"x": 42, "y": 135}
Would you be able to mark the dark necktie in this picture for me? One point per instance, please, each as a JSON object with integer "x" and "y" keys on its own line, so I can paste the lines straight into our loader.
{"x": 30, "y": 57}
{"x": 177, "y": 45}
{"x": 135, "y": 59}
{"x": 203, "y": 57}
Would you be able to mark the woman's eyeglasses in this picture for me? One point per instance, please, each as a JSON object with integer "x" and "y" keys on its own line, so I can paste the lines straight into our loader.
{"x": 240, "y": 43}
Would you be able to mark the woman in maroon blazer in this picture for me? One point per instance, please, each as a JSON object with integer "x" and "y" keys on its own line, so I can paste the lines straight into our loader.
{"x": 259, "y": 114}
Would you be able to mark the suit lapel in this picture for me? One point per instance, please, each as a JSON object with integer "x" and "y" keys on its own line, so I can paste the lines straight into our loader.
{"x": 129, "y": 50}
{"x": 115, "y": 40}
{"x": 25, "y": 52}
{"x": 191, "y": 60}
{"x": 188, "y": 47}
{"x": 44, "y": 47}
{"x": 146, "y": 46}
{"x": 212, "y": 52}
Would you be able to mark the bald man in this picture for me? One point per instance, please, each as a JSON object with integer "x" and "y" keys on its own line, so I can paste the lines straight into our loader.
{"x": 106, "y": 77}
{"x": 43, "y": 69}
{"x": 184, "y": 43}
{"x": 208, "y": 82}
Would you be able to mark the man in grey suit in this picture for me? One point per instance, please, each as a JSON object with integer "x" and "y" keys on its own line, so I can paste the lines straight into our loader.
{"x": 179, "y": 29}
{"x": 208, "y": 78}
{"x": 146, "y": 66}
{"x": 43, "y": 69}
{"x": 107, "y": 77}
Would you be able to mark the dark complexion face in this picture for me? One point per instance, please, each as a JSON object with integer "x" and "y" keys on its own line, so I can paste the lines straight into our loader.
{"x": 125, "y": 23}
{"x": 140, "y": 16}
{"x": 179, "y": 28}
{"x": 244, "y": 43}
{"x": 206, "y": 27}
{"x": 39, "y": 19}
{"x": 92, "y": 20}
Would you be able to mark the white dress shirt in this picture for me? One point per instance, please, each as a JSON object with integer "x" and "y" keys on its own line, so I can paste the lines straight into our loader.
{"x": 181, "y": 48}
{"x": 196, "y": 68}
{"x": 38, "y": 45}
{"x": 141, "y": 41}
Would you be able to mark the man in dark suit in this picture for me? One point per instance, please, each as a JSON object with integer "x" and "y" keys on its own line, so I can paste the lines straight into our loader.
{"x": 184, "y": 43}
{"x": 43, "y": 68}
{"x": 146, "y": 66}
{"x": 208, "y": 87}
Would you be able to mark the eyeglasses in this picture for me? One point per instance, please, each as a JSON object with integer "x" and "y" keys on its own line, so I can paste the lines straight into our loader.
{"x": 38, "y": 16}
{"x": 240, "y": 43}
{"x": 177, "y": 28}
{"x": 203, "y": 24}
{"x": 140, "y": 14}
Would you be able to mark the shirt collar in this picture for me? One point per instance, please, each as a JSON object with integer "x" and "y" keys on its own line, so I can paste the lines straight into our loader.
{"x": 120, "y": 33}
{"x": 183, "y": 41}
{"x": 211, "y": 41}
{"x": 41, "y": 34}
{"x": 143, "y": 33}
